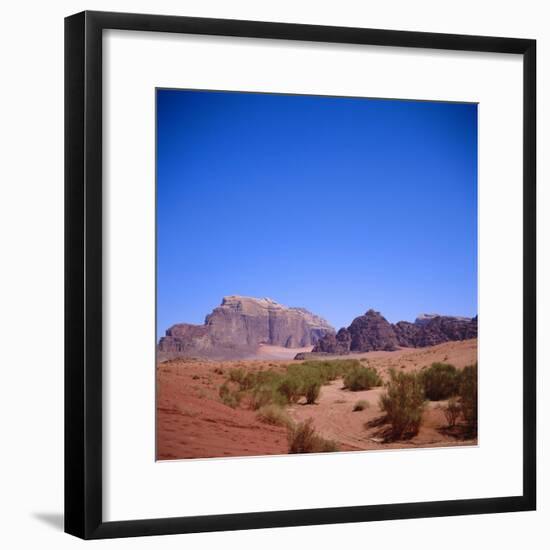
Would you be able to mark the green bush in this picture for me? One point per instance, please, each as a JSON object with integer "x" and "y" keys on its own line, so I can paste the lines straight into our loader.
{"x": 440, "y": 381}
{"x": 291, "y": 387}
{"x": 403, "y": 403}
{"x": 326, "y": 370}
{"x": 280, "y": 388}
{"x": 302, "y": 382}
{"x": 246, "y": 380}
{"x": 468, "y": 396}
{"x": 361, "y": 378}
{"x": 452, "y": 411}
{"x": 361, "y": 405}
{"x": 269, "y": 377}
{"x": 306, "y": 379}
{"x": 230, "y": 397}
{"x": 312, "y": 389}
{"x": 236, "y": 375}
{"x": 303, "y": 439}
{"x": 267, "y": 394}
{"x": 274, "y": 415}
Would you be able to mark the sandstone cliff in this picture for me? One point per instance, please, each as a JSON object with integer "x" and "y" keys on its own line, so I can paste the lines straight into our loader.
{"x": 239, "y": 325}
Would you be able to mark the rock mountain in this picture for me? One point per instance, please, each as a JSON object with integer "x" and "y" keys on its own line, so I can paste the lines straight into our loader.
{"x": 372, "y": 332}
{"x": 239, "y": 325}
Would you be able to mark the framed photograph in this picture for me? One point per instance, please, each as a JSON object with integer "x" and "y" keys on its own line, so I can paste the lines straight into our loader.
{"x": 300, "y": 275}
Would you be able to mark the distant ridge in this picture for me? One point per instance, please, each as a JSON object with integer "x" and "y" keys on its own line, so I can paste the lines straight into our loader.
{"x": 425, "y": 318}
{"x": 372, "y": 332}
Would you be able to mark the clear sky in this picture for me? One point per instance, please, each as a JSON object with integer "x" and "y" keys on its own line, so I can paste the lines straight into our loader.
{"x": 337, "y": 205}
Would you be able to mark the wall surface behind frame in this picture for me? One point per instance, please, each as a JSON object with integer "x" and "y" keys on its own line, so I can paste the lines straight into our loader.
{"x": 31, "y": 289}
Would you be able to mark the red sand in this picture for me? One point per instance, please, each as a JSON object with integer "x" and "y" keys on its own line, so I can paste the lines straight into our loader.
{"x": 192, "y": 422}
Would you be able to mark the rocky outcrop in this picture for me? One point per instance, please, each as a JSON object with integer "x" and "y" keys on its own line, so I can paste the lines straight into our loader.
{"x": 368, "y": 332}
{"x": 372, "y": 332}
{"x": 239, "y": 325}
{"x": 334, "y": 343}
{"x": 406, "y": 333}
{"x": 441, "y": 329}
{"x": 435, "y": 329}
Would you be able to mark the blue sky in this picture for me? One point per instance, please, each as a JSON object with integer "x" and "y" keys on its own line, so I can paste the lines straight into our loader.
{"x": 334, "y": 204}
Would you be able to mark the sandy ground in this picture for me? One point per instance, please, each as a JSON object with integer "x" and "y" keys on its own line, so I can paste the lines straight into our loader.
{"x": 458, "y": 354}
{"x": 278, "y": 352}
{"x": 193, "y": 423}
{"x": 333, "y": 418}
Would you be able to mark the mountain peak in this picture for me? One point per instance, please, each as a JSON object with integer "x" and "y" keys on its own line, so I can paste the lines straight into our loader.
{"x": 373, "y": 313}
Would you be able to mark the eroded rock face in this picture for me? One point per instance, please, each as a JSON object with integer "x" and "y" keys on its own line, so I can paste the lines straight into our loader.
{"x": 334, "y": 343}
{"x": 406, "y": 333}
{"x": 444, "y": 329}
{"x": 372, "y": 332}
{"x": 369, "y": 332}
{"x": 239, "y": 325}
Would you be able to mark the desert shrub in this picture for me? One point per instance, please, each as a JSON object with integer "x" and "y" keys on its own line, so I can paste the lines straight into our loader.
{"x": 361, "y": 378}
{"x": 344, "y": 365}
{"x": 361, "y": 405}
{"x": 312, "y": 389}
{"x": 311, "y": 375}
{"x": 327, "y": 446}
{"x": 304, "y": 380}
{"x": 261, "y": 387}
{"x": 468, "y": 396}
{"x": 325, "y": 370}
{"x": 224, "y": 390}
{"x": 267, "y": 377}
{"x": 291, "y": 387}
{"x": 237, "y": 375}
{"x": 307, "y": 371}
{"x": 452, "y": 411}
{"x": 403, "y": 403}
{"x": 267, "y": 394}
{"x": 304, "y": 439}
{"x": 231, "y": 400}
{"x": 440, "y": 381}
{"x": 280, "y": 388}
{"x": 230, "y": 397}
{"x": 246, "y": 380}
{"x": 274, "y": 415}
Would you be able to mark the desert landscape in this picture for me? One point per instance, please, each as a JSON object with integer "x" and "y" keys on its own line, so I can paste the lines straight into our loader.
{"x": 260, "y": 378}
{"x": 360, "y": 214}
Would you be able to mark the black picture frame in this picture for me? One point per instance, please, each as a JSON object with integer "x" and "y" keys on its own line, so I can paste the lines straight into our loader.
{"x": 83, "y": 274}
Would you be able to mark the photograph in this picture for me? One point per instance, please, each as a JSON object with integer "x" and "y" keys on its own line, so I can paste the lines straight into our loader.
{"x": 316, "y": 274}
{"x": 247, "y": 247}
